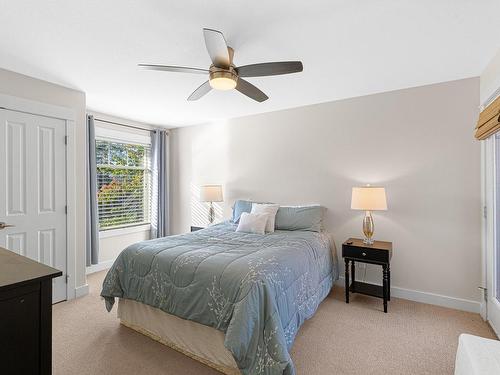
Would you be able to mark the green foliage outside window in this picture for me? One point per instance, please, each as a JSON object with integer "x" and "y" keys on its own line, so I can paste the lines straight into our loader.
{"x": 122, "y": 183}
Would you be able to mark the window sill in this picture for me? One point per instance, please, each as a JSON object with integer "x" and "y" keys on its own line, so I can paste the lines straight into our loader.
{"x": 124, "y": 231}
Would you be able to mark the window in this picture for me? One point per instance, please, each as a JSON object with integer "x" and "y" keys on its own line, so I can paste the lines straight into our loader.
{"x": 123, "y": 184}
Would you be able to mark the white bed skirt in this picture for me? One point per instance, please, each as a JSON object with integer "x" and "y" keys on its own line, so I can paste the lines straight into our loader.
{"x": 202, "y": 343}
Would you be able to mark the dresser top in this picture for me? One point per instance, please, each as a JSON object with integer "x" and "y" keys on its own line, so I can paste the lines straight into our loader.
{"x": 379, "y": 245}
{"x": 16, "y": 269}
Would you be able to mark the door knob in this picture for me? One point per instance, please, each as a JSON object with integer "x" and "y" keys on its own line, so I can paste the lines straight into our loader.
{"x": 4, "y": 225}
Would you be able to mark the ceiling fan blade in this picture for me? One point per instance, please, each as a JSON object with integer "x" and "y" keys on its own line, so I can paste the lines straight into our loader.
{"x": 270, "y": 69}
{"x": 217, "y": 48}
{"x": 200, "y": 91}
{"x": 246, "y": 88}
{"x": 177, "y": 69}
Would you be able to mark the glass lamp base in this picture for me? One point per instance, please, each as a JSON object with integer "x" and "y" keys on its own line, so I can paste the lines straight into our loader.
{"x": 368, "y": 241}
{"x": 368, "y": 228}
{"x": 211, "y": 214}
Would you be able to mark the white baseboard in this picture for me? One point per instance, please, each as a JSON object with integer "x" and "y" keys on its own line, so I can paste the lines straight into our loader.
{"x": 430, "y": 298}
{"x": 482, "y": 310}
{"x": 82, "y": 291}
{"x": 99, "y": 267}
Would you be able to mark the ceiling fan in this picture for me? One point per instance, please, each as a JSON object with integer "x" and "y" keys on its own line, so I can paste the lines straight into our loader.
{"x": 223, "y": 75}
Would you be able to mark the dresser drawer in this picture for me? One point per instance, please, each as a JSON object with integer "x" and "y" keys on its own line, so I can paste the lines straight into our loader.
{"x": 20, "y": 334}
{"x": 368, "y": 254}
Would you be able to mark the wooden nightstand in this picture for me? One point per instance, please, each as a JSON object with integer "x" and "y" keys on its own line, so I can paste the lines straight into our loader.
{"x": 354, "y": 250}
{"x": 194, "y": 229}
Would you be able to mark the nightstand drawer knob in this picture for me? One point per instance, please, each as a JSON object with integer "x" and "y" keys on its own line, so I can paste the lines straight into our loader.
{"x": 364, "y": 254}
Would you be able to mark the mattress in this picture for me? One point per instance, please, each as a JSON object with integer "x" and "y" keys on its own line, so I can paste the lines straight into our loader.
{"x": 202, "y": 343}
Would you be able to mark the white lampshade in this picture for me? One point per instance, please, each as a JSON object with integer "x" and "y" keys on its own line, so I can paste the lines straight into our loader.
{"x": 211, "y": 193}
{"x": 368, "y": 198}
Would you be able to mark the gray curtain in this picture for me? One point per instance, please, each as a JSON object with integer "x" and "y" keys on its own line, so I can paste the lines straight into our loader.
{"x": 92, "y": 227}
{"x": 159, "y": 190}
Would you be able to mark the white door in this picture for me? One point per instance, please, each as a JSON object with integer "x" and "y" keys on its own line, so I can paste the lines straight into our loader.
{"x": 33, "y": 190}
{"x": 492, "y": 235}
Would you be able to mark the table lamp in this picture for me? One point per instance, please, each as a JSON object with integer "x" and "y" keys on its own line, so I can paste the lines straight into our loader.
{"x": 211, "y": 193}
{"x": 368, "y": 198}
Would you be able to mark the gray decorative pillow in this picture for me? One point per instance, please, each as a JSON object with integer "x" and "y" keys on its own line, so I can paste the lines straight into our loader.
{"x": 308, "y": 218}
{"x": 241, "y": 206}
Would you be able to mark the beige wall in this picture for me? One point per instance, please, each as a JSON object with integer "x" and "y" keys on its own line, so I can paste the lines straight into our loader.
{"x": 22, "y": 86}
{"x": 490, "y": 78}
{"x": 418, "y": 143}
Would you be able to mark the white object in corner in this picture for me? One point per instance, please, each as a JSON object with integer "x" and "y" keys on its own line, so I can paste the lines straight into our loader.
{"x": 477, "y": 356}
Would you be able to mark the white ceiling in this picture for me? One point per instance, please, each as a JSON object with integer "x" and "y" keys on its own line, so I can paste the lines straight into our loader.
{"x": 348, "y": 47}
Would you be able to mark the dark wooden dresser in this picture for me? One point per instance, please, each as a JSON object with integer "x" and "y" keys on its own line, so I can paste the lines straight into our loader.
{"x": 25, "y": 315}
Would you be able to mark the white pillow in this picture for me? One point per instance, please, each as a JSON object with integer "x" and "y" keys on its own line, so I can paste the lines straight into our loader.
{"x": 252, "y": 223}
{"x": 270, "y": 209}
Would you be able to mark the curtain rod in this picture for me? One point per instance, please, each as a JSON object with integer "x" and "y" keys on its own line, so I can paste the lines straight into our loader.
{"x": 128, "y": 126}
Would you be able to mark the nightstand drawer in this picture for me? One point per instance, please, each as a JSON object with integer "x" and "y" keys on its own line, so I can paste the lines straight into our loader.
{"x": 368, "y": 254}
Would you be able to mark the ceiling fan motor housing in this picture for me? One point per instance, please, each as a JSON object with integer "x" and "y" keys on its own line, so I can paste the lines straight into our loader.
{"x": 223, "y": 79}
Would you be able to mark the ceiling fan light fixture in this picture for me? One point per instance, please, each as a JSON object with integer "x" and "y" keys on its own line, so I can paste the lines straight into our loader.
{"x": 224, "y": 75}
{"x": 223, "y": 80}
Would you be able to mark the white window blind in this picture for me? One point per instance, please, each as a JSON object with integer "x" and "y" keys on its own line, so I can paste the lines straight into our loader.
{"x": 123, "y": 184}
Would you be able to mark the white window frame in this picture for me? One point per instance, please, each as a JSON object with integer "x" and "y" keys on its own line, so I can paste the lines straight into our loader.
{"x": 138, "y": 138}
{"x": 111, "y": 135}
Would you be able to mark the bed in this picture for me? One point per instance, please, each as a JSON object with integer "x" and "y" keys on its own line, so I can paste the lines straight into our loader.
{"x": 231, "y": 300}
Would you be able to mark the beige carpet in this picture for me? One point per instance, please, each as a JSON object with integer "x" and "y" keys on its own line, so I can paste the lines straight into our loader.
{"x": 357, "y": 338}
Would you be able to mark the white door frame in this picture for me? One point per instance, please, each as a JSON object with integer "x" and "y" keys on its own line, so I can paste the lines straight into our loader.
{"x": 69, "y": 116}
{"x": 491, "y": 309}
{"x": 485, "y": 196}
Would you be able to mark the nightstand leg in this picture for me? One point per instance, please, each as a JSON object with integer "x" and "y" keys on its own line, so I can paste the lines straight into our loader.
{"x": 389, "y": 281}
{"x": 346, "y": 277}
{"x": 353, "y": 275}
{"x": 385, "y": 286}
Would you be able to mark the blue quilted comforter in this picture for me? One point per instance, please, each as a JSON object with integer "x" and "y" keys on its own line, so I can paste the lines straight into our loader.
{"x": 257, "y": 289}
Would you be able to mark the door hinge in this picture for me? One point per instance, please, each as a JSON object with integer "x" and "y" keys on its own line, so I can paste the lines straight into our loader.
{"x": 66, "y": 210}
{"x": 66, "y": 279}
{"x": 66, "y": 140}
{"x": 485, "y": 292}
{"x": 485, "y": 211}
